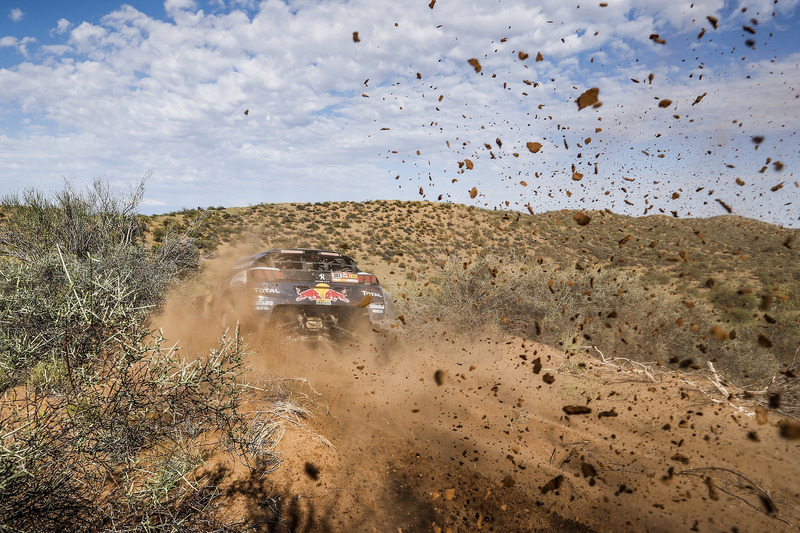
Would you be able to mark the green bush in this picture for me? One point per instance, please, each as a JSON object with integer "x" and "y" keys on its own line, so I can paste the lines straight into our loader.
{"x": 77, "y": 270}
{"x": 100, "y": 426}
{"x": 78, "y": 223}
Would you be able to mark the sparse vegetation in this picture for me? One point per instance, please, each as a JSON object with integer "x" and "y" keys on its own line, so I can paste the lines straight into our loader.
{"x": 75, "y": 271}
{"x": 611, "y": 308}
{"x": 104, "y": 428}
{"x": 101, "y": 426}
{"x": 690, "y": 290}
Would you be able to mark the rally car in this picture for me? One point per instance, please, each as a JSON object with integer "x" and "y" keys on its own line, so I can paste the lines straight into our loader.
{"x": 305, "y": 292}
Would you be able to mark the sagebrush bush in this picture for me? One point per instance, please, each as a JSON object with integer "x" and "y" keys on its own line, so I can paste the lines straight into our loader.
{"x": 79, "y": 223}
{"x": 118, "y": 448}
{"x": 76, "y": 270}
{"x": 100, "y": 426}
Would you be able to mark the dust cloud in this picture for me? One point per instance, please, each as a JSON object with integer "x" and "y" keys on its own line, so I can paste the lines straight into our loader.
{"x": 441, "y": 432}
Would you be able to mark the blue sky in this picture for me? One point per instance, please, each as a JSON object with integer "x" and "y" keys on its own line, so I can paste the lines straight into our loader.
{"x": 115, "y": 91}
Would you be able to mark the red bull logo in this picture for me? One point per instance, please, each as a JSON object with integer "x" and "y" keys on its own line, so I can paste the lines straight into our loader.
{"x": 322, "y": 294}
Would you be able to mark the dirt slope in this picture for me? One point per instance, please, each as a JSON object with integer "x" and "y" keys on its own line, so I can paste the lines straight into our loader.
{"x": 445, "y": 434}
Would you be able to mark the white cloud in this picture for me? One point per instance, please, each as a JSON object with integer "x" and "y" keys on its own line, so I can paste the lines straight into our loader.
{"x": 176, "y": 8}
{"x": 16, "y": 14}
{"x": 20, "y": 44}
{"x": 154, "y": 203}
{"x": 56, "y": 49}
{"x": 134, "y": 93}
{"x": 62, "y": 26}
{"x": 170, "y": 5}
{"x": 244, "y": 4}
{"x": 87, "y": 37}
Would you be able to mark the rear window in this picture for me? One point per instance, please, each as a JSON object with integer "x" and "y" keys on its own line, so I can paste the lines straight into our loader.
{"x": 309, "y": 261}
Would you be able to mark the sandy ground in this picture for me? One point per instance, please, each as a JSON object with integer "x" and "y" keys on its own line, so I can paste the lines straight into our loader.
{"x": 502, "y": 434}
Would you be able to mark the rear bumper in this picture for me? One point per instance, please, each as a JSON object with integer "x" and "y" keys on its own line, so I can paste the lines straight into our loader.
{"x": 266, "y": 308}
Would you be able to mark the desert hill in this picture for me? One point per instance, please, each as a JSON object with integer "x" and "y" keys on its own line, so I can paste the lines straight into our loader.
{"x": 421, "y": 233}
{"x": 560, "y": 371}
{"x": 715, "y": 288}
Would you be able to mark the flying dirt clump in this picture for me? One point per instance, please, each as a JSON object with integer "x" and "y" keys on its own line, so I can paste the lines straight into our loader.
{"x": 582, "y": 218}
{"x": 589, "y": 98}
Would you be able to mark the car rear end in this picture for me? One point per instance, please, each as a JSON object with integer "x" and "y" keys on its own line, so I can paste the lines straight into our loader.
{"x": 310, "y": 292}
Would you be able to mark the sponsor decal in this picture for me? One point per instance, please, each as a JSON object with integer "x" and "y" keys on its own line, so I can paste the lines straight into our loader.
{"x": 267, "y": 290}
{"x": 263, "y": 303}
{"x": 372, "y": 293}
{"x": 346, "y": 277}
{"x": 376, "y": 307}
{"x": 321, "y": 294}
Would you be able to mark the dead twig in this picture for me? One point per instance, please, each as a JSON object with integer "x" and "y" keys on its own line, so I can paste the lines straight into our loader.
{"x": 721, "y": 389}
{"x": 716, "y": 380}
{"x": 768, "y": 505}
{"x": 635, "y": 367}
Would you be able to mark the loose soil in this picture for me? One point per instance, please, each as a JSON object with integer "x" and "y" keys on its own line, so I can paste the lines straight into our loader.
{"x": 502, "y": 434}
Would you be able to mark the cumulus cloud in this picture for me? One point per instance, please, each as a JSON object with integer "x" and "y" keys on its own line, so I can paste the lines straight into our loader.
{"x": 16, "y": 14}
{"x": 87, "y": 38}
{"x": 245, "y": 4}
{"x": 175, "y": 8}
{"x": 330, "y": 118}
{"x": 62, "y": 26}
{"x": 21, "y": 45}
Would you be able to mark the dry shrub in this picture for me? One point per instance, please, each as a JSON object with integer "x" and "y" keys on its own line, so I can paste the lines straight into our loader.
{"x": 118, "y": 444}
{"x": 783, "y": 392}
{"x": 578, "y": 308}
{"x": 100, "y": 426}
{"x": 75, "y": 269}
